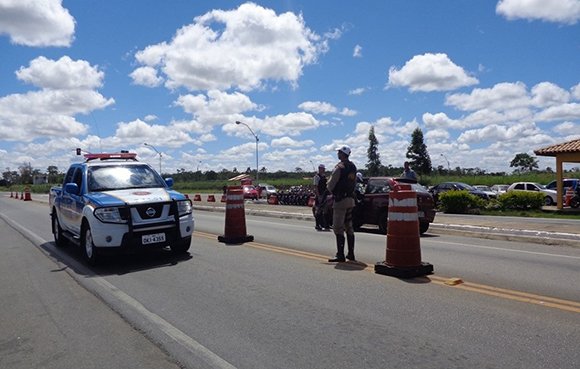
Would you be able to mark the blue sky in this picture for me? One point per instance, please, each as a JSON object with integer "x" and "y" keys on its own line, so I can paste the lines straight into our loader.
{"x": 484, "y": 80}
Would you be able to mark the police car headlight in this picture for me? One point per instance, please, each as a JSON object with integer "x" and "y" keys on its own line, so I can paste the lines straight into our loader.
{"x": 109, "y": 215}
{"x": 184, "y": 207}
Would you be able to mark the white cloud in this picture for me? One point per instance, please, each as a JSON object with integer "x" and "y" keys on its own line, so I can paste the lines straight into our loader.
{"x": 292, "y": 124}
{"x": 289, "y": 142}
{"x": 68, "y": 90}
{"x": 217, "y": 107}
{"x": 240, "y": 48}
{"x": 357, "y": 91}
{"x": 357, "y": 52}
{"x": 499, "y": 133}
{"x": 500, "y": 97}
{"x": 561, "y": 112}
{"x": 136, "y": 132}
{"x": 36, "y": 23}
{"x": 430, "y": 72}
{"x": 576, "y": 91}
{"x": 567, "y": 128}
{"x": 324, "y": 108}
{"x": 61, "y": 74}
{"x": 558, "y": 11}
{"x": 318, "y": 107}
{"x": 146, "y": 76}
{"x": 548, "y": 94}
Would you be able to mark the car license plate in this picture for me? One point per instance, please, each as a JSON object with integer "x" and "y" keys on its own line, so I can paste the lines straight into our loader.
{"x": 152, "y": 238}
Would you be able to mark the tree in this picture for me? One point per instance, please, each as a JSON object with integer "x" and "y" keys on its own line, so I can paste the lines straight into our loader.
{"x": 25, "y": 173}
{"x": 524, "y": 162}
{"x": 374, "y": 164}
{"x": 52, "y": 174}
{"x": 417, "y": 153}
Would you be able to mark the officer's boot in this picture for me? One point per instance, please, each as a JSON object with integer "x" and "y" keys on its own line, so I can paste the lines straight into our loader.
{"x": 339, "y": 258}
{"x": 350, "y": 243}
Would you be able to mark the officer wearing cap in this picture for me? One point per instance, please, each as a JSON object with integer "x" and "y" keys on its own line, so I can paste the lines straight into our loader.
{"x": 342, "y": 184}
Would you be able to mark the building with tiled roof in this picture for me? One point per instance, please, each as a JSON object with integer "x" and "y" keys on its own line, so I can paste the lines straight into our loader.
{"x": 567, "y": 152}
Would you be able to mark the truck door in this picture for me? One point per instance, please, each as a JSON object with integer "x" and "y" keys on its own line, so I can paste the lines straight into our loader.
{"x": 77, "y": 202}
{"x": 65, "y": 201}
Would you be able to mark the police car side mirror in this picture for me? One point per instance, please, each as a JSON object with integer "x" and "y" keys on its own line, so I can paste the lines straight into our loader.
{"x": 71, "y": 188}
{"x": 169, "y": 182}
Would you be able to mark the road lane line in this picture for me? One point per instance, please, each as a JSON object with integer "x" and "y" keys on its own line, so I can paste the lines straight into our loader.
{"x": 546, "y": 301}
{"x": 506, "y": 250}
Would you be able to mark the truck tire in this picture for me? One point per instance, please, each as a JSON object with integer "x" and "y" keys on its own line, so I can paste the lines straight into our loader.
{"x": 89, "y": 249}
{"x": 382, "y": 222}
{"x": 423, "y": 227}
{"x": 59, "y": 239}
{"x": 548, "y": 201}
{"x": 182, "y": 246}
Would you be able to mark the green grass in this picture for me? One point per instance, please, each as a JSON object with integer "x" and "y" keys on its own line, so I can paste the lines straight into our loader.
{"x": 531, "y": 214}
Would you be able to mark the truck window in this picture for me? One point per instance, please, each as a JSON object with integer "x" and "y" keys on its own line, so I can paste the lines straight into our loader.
{"x": 78, "y": 178}
{"x": 69, "y": 175}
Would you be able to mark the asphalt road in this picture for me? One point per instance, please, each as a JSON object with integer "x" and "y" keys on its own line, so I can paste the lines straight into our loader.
{"x": 277, "y": 303}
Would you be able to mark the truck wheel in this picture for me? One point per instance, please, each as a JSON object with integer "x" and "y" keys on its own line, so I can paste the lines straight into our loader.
{"x": 548, "y": 201}
{"x": 90, "y": 251}
{"x": 181, "y": 246}
{"x": 575, "y": 203}
{"x": 59, "y": 239}
{"x": 382, "y": 222}
{"x": 423, "y": 227}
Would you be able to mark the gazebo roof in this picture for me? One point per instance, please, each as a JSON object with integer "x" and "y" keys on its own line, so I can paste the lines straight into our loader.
{"x": 563, "y": 148}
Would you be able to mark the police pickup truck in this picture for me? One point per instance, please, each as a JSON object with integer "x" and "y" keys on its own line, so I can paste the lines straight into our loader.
{"x": 114, "y": 203}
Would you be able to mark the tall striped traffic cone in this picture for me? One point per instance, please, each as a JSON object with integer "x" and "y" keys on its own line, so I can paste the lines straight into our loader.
{"x": 27, "y": 196}
{"x": 235, "y": 226}
{"x": 403, "y": 257}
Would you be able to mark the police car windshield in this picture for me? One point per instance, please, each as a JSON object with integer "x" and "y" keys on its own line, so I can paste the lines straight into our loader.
{"x": 107, "y": 178}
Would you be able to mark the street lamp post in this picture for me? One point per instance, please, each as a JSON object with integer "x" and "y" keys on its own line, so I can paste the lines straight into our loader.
{"x": 448, "y": 167}
{"x": 257, "y": 140}
{"x": 153, "y": 147}
{"x": 198, "y": 166}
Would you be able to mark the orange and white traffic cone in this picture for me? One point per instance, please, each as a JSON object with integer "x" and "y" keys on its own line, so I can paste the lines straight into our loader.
{"x": 273, "y": 199}
{"x": 403, "y": 258}
{"x": 235, "y": 226}
{"x": 27, "y": 196}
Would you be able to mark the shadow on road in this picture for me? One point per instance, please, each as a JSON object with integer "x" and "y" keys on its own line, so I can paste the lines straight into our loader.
{"x": 121, "y": 264}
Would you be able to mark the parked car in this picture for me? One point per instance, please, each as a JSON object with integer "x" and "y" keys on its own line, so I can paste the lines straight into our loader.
{"x": 487, "y": 190}
{"x": 567, "y": 183}
{"x": 372, "y": 204}
{"x": 455, "y": 186}
{"x": 266, "y": 190}
{"x": 250, "y": 192}
{"x": 550, "y": 196}
{"x": 499, "y": 188}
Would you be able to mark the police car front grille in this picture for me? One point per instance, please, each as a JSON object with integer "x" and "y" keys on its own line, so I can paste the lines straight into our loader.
{"x": 143, "y": 210}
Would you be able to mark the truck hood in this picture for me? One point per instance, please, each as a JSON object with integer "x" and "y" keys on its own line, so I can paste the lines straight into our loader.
{"x": 130, "y": 197}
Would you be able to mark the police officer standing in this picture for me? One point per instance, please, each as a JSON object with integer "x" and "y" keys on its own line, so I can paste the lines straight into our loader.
{"x": 320, "y": 192}
{"x": 342, "y": 184}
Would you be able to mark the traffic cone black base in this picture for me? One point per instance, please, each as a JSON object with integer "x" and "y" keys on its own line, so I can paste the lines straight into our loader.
{"x": 404, "y": 272}
{"x": 235, "y": 240}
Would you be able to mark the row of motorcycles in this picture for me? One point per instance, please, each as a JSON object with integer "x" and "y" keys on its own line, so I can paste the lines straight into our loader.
{"x": 295, "y": 195}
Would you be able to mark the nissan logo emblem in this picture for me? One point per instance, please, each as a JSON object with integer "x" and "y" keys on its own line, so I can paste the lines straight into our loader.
{"x": 150, "y": 212}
